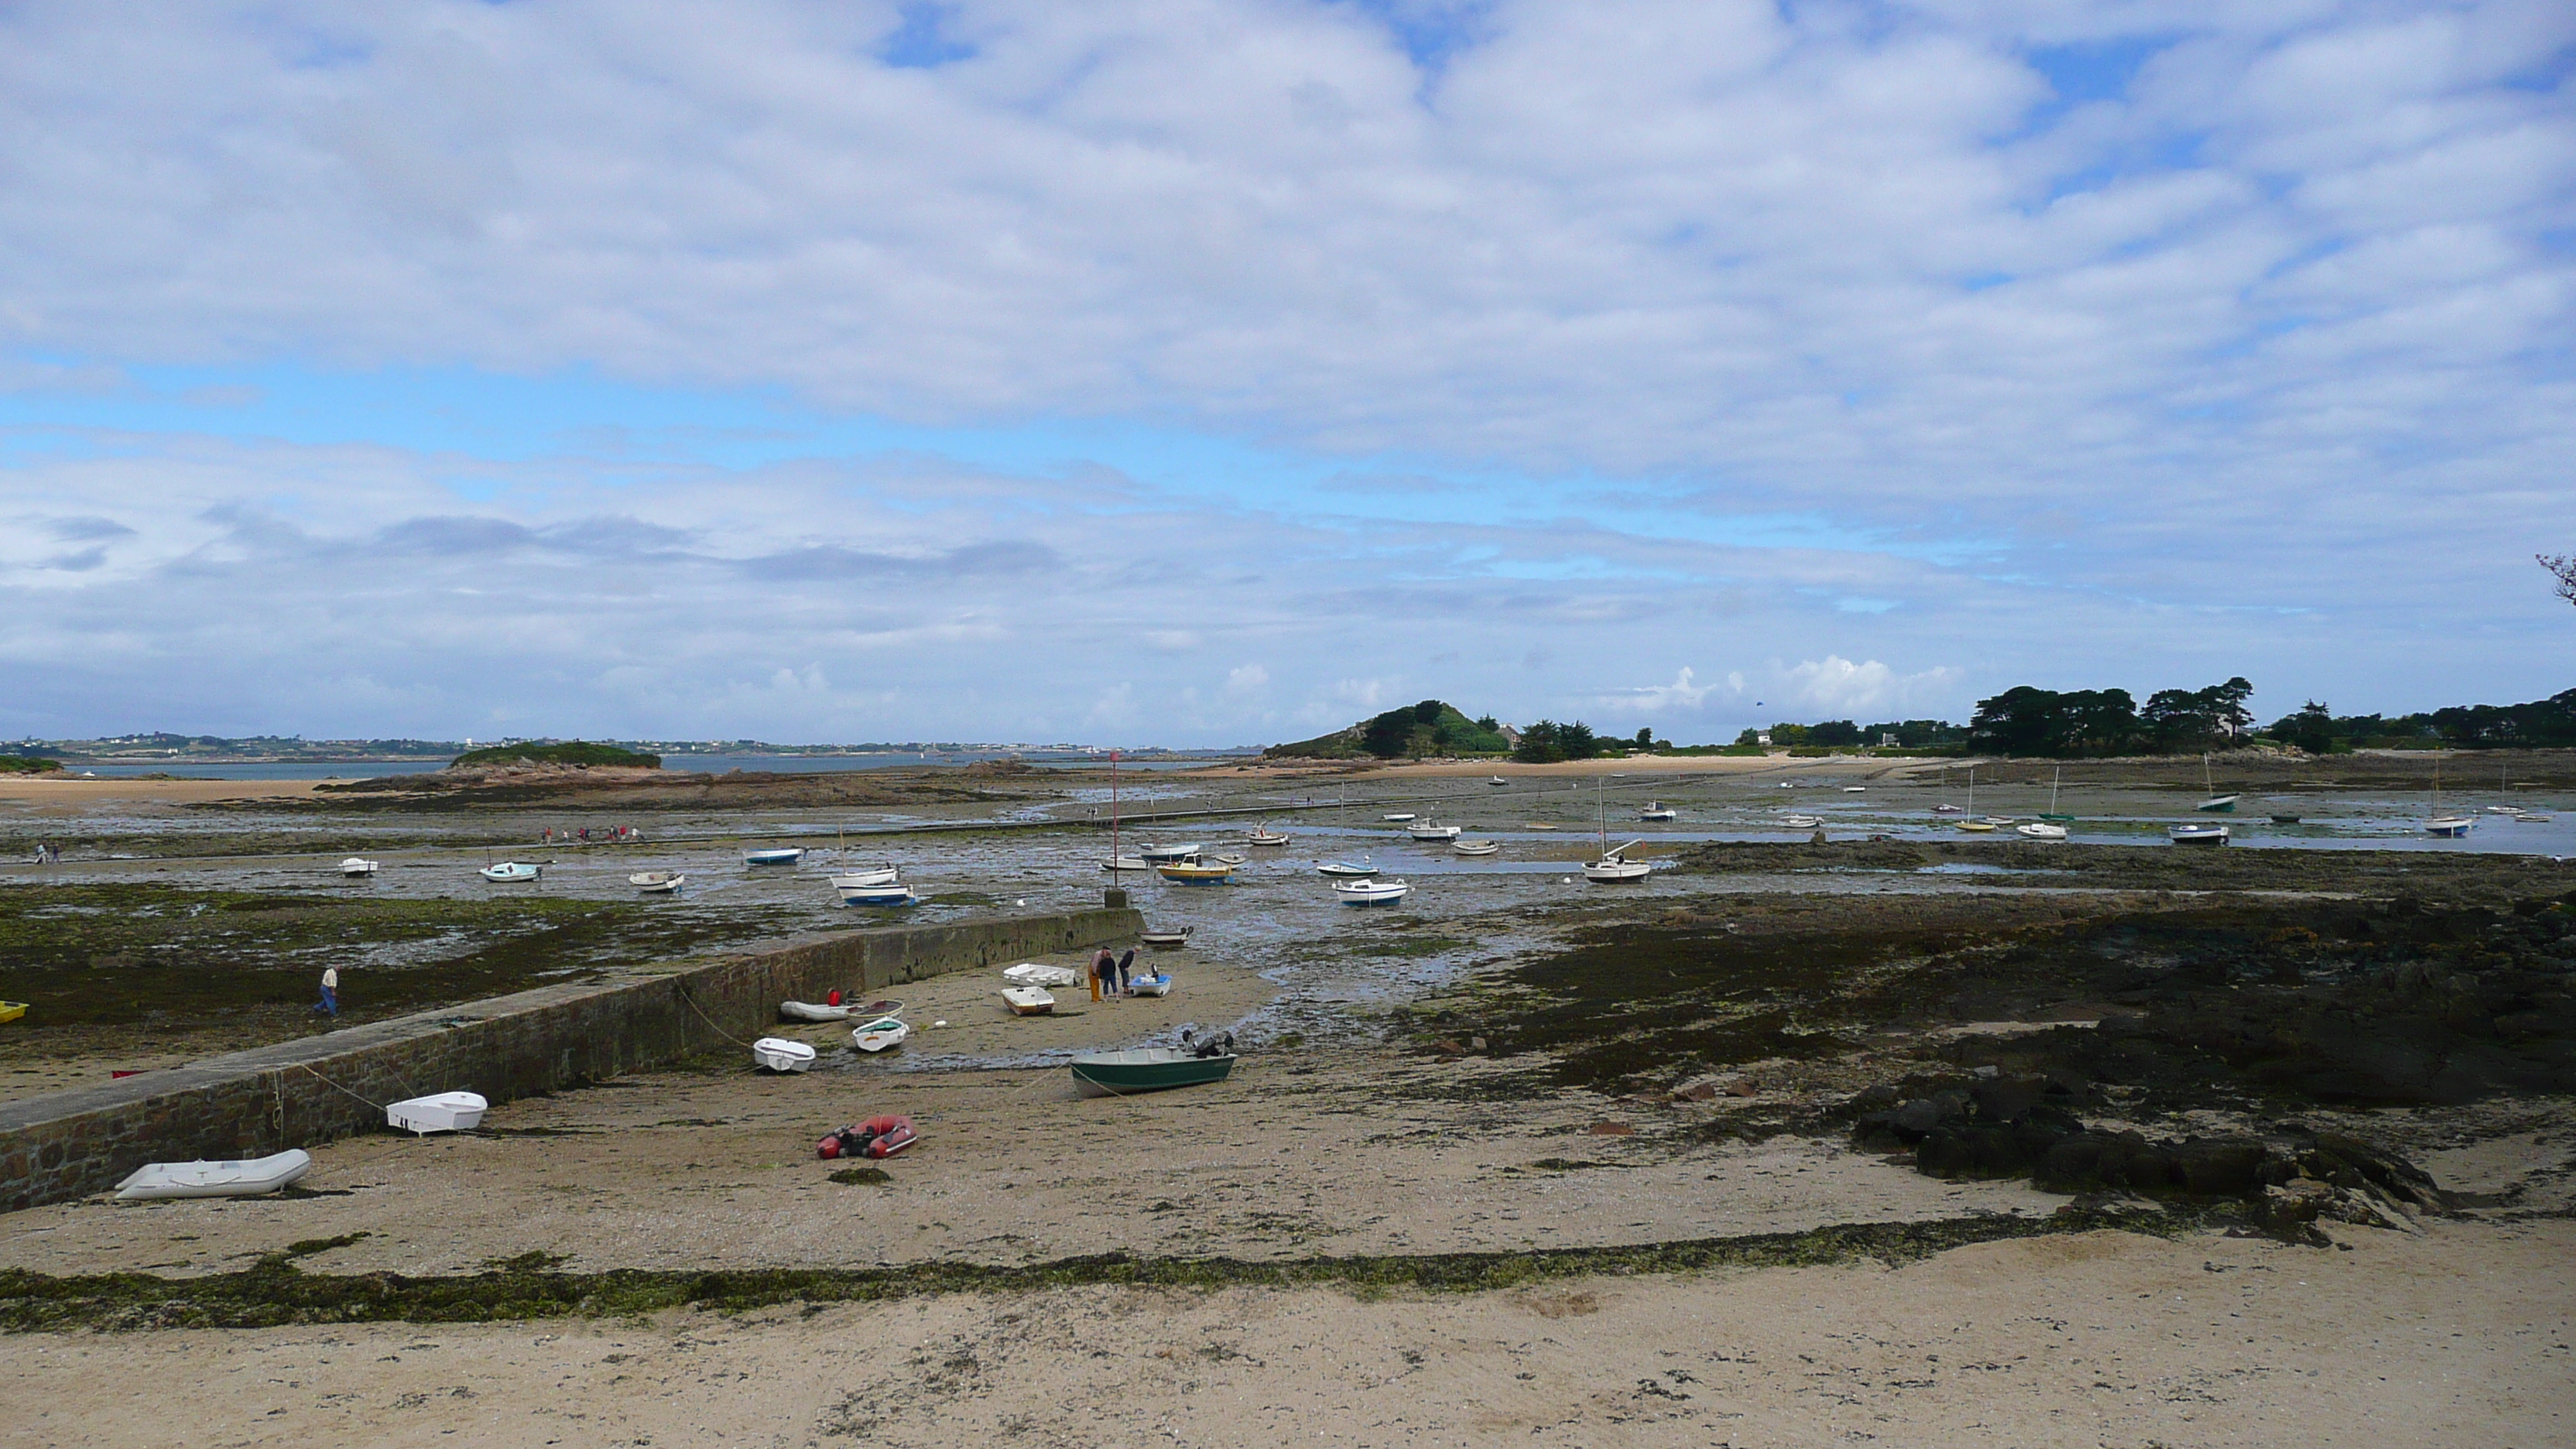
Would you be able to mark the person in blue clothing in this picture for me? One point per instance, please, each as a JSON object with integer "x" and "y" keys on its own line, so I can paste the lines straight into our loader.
{"x": 329, "y": 1005}
{"x": 1125, "y": 964}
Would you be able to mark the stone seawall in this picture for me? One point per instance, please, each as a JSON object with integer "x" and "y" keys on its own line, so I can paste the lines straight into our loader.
{"x": 248, "y": 1104}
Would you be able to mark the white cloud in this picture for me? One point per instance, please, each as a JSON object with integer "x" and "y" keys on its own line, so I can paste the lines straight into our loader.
{"x": 1660, "y": 699}
{"x": 1835, "y": 686}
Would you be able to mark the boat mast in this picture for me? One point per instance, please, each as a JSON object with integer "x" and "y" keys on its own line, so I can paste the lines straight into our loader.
{"x": 1113, "y": 815}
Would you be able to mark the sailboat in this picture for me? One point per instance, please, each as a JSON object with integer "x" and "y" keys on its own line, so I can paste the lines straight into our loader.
{"x": 2050, "y": 814}
{"x": 1975, "y": 827}
{"x": 1118, "y": 861}
{"x": 2216, "y": 803}
{"x": 2446, "y": 827}
{"x": 1347, "y": 869}
{"x": 1614, "y": 868}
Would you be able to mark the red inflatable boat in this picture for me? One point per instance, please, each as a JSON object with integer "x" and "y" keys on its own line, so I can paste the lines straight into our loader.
{"x": 876, "y": 1137}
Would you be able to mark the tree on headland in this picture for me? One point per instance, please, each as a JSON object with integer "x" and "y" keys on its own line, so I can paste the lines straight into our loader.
{"x": 2563, "y": 565}
{"x": 1547, "y": 742}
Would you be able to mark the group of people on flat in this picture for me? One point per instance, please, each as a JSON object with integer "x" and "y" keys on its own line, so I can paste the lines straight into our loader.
{"x": 550, "y": 835}
{"x": 1112, "y": 971}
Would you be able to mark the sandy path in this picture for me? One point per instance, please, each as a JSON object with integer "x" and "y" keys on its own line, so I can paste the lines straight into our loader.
{"x": 2457, "y": 1335}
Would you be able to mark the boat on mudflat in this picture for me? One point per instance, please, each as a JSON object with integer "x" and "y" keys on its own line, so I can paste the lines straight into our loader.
{"x": 1148, "y": 1069}
{"x": 510, "y": 872}
{"x": 2194, "y": 832}
{"x": 779, "y": 1054}
{"x": 1166, "y": 940}
{"x": 1264, "y": 835}
{"x": 774, "y": 855}
{"x": 1370, "y": 892}
{"x": 1028, "y": 1000}
{"x": 242, "y": 1177}
{"x": 1195, "y": 872}
{"x": 1475, "y": 847}
{"x": 1352, "y": 869}
{"x": 877, "y": 1035}
{"x": 357, "y": 865}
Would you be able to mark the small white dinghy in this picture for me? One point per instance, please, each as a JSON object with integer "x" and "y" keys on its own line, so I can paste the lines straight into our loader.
{"x": 509, "y": 872}
{"x": 357, "y": 865}
{"x": 248, "y": 1177}
{"x": 1475, "y": 847}
{"x": 774, "y": 855}
{"x": 891, "y": 893}
{"x": 1158, "y": 984}
{"x": 778, "y": 1054}
{"x": 1028, "y": 1000}
{"x": 438, "y": 1112}
{"x": 1126, "y": 862}
{"x": 668, "y": 885}
{"x": 849, "y": 880}
{"x": 813, "y": 1011}
{"x": 2041, "y": 830}
{"x": 877, "y": 1035}
{"x": 1370, "y": 892}
{"x": 1264, "y": 835}
{"x": 1030, "y": 973}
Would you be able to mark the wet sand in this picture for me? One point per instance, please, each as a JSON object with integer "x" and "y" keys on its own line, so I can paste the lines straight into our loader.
{"x": 52, "y": 796}
{"x": 2454, "y": 1336}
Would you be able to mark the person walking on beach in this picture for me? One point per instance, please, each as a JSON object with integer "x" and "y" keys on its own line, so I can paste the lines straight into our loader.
{"x": 329, "y": 1005}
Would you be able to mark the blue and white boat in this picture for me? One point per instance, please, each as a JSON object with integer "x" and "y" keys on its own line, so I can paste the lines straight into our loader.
{"x": 774, "y": 855}
{"x": 510, "y": 872}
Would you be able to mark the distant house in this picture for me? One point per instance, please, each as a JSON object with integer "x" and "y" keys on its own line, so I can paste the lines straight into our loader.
{"x": 1763, "y": 738}
{"x": 1511, "y": 735}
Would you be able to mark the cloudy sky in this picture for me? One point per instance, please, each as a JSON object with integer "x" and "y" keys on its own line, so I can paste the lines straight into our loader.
{"x": 1213, "y": 373}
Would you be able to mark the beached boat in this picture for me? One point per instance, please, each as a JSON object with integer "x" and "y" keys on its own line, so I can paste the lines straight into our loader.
{"x": 1126, "y": 862}
{"x": 1949, "y": 810}
{"x": 1030, "y": 973}
{"x": 2449, "y": 827}
{"x": 1195, "y": 872}
{"x": 778, "y": 1054}
{"x": 774, "y": 855}
{"x": 1169, "y": 939}
{"x": 1370, "y": 892}
{"x": 1802, "y": 822}
{"x": 509, "y": 872}
{"x": 2531, "y": 817}
{"x": 875, "y": 875}
{"x": 357, "y": 865}
{"x": 877, "y": 1035}
{"x": 1497, "y": 781}
{"x": 668, "y": 886}
{"x": 12, "y": 1010}
{"x": 2041, "y": 830}
{"x": 1158, "y": 984}
{"x": 1658, "y": 810}
{"x": 2216, "y": 804}
{"x": 438, "y": 1112}
{"x": 2194, "y": 832}
{"x": 1352, "y": 869}
{"x": 890, "y": 893}
{"x": 1997, "y": 819}
{"x": 1475, "y": 847}
{"x": 1028, "y": 1000}
{"x": 1401, "y": 817}
{"x": 814, "y": 1011}
{"x": 1233, "y": 859}
{"x": 1425, "y": 830}
{"x": 1614, "y": 868}
{"x": 2050, "y": 814}
{"x": 1147, "y": 1069}
{"x": 1855, "y": 789}
{"x": 1159, "y": 854}
{"x": 1976, "y": 827}
{"x": 877, "y": 1137}
{"x": 650, "y": 878}
{"x": 1263, "y": 835}
{"x": 244, "y": 1177}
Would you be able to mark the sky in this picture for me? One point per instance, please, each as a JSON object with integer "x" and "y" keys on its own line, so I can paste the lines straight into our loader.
{"x": 1210, "y": 374}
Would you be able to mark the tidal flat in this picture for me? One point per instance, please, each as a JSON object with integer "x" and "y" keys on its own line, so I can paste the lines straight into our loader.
{"x": 1822, "y": 1137}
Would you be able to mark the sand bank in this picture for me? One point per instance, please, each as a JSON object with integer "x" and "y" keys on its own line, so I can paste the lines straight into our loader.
{"x": 52, "y": 794}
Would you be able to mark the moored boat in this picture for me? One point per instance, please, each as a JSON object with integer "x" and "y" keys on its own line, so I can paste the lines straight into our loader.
{"x": 885, "y": 893}
{"x": 1497, "y": 780}
{"x": 875, "y": 875}
{"x": 1658, "y": 810}
{"x": 1028, "y": 1000}
{"x": 1401, "y": 817}
{"x": 1352, "y": 869}
{"x": 438, "y": 1112}
{"x": 242, "y": 1177}
{"x": 1195, "y": 872}
{"x": 877, "y": 1035}
{"x": 1426, "y": 830}
{"x": 2449, "y": 827}
{"x": 774, "y": 855}
{"x": 1126, "y": 862}
{"x": 1802, "y": 822}
{"x": 1264, "y": 835}
{"x": 1159, "y": 854}
{"x": 668, "y": 886}
{"x": 1167, "y": 939}
{"x": 357, "y": 865}
{"x": 1370, "y": 892}
{"x": 2193, "y": 832}
{"x": 779, "y": 1054}
{"x": 1147, "y": 1069}
{"x": 1475, "y": 847}
{"x": 1976, "y": 827}
{"x": 510, "y": 872}
{"x": 2041, "y": 830}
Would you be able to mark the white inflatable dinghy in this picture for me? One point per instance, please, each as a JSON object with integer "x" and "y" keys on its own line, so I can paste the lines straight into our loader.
{"x": 247, "y": 1178}
{"x": 809, "y": 1011}
{"x": 444, "y": 1112}
{"x": 779, "y": 1054}
{"x": 1029, "y": 973}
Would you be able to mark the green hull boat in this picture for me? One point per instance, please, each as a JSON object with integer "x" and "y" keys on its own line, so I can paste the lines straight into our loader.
{"x": 1146, "y": 1069}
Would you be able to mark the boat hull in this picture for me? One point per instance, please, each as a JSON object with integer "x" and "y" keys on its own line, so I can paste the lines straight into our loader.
{"x": 778, "y": 1054}
{"x": 439, "y": 1112}
{"x": 246, "y": 1177}
{"x": 1151, "y": 1069}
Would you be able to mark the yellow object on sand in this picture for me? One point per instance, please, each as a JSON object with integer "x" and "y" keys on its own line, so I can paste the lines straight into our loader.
{"x": 12, "y": 1010}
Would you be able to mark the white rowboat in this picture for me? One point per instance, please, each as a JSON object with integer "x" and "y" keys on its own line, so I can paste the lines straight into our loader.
{"x": 1028, "y": 1000}
{"x": 2040, "y": 830}
{"x": 778, "y": 1054}
{"x": 1370, "y": 892}
{"x": 774, "y": 855}
{"x": 357, "y": 865}
{"x": 856, "y": 879}
{"x": 1475, "y": 847}
{"x": 438, "y": 1112}
{"x": 876, "y": 1036}
{"x": 509, "y": 872}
